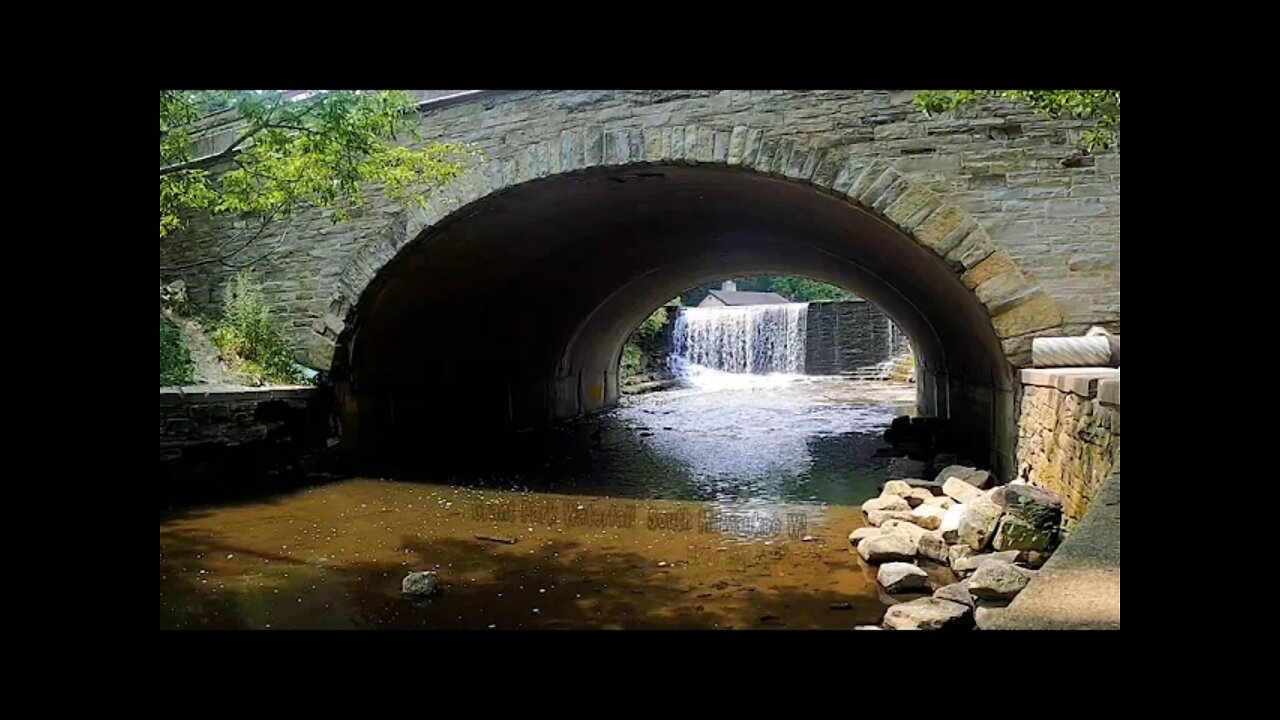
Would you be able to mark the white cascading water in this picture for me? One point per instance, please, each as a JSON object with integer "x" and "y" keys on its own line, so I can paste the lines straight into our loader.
{"x": 752, "y": 339}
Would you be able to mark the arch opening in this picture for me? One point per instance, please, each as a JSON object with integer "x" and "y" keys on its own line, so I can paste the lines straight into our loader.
{"x": 511, "y": 314}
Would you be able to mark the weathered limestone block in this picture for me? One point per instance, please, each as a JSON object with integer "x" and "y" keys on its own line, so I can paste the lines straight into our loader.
{"x": 950, "y": 527}
{"x": 956, "y": 554}
{"x": 996, "y": 580}
{"x": 905, "y": 527}
{"x": 941, "y": 501}
{"x": 886, "y": 502}
{"x": 897, "y": 488}
{"x": 928, "y": 614}
{"x": 968, "y": 563}
{"x": 980, "y": 479}
{"x": 928, "y": 516}
{"x": 878, "y": 517}
{"x": 863, "y": 532}
{"x": 961, "y": 491}
{"x": 899, "y": 577}
{"x": 978, "y": 523}
{"x": 932, "y": 546}
{"x": 956, "y": 593}
{"x": 888, "y": 547}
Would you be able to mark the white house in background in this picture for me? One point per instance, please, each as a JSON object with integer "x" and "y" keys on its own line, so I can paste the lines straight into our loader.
{"x": 729, "y": 296}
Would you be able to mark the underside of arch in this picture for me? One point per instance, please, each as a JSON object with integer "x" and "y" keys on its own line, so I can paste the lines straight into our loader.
{"x": 505, "y": 305}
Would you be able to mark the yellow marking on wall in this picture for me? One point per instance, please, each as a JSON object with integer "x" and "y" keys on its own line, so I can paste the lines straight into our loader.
{"x": 596, "y": 393}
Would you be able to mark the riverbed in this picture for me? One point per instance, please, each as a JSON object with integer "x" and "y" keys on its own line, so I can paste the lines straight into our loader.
{"x": 722, "y": 506}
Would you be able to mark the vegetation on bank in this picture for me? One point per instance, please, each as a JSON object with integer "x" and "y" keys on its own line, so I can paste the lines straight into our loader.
{"x": 289, "y": 151}
{"x": 647, "y": 341}
{"x": 176, "y": 366}
{"x": 251, "y": 347}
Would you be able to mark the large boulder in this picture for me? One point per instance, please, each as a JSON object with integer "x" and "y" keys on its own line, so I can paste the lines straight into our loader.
{"x": 995, "y": 580}
{"x": 928, "y": 516}
{"x": 887, "y": 547}
{"x": 928, "y": 614}
{"x": 980, "y": 479}
{"x": 960, "y": 491}
{"x": 932, "y": 546}
{"x": 1014, "y": 533}
{"x": 978, "y": 523}
{"x": 956, "y": 593}
{"x": 969, "y": 563}
{"x": 861, "y": 533}
{"x": 878, "y": 517}
{"x": 1037, "y": 507}
{"x": 420, "y": 584}
{"x": 886, "y": 502}
{"x": 897, "y": 577}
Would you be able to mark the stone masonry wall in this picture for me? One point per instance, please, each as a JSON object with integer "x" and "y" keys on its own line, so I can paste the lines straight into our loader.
{"x": 843, "y": 336}
{"x": 996, "y": 161}
{"x": 193, "y": 419}
{"x": 1069, "y": 433}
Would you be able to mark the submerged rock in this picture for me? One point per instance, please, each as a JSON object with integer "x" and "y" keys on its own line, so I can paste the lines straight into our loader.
{"x": 899, "y": 577}
{"x": 996, "y": 580}
{"x": 420, "y": 583}
{"x": 928, "y": 614}
{"x": 887, "y": 547}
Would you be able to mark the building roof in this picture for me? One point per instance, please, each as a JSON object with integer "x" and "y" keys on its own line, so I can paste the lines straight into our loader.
{"x": 735, "y": 297}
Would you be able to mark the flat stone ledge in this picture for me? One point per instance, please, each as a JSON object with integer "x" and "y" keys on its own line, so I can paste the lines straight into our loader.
{"x": 1081, "y": 381}
{"x": 1109, "y": 392}
{"x": 1079, "y": 587}
{"x": 202, "y": 394}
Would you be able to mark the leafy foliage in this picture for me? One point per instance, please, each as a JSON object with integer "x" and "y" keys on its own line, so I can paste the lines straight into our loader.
{"x": 176, "y": 367}
{"x": 317, "y": 150}
{"x": 645, "y": 340}
{"x": 1101, "y": 105}
{"x": 248, "y": 337}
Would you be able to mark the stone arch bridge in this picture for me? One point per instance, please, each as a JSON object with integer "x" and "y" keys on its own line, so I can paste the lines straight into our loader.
{"x": 506, "y": 302}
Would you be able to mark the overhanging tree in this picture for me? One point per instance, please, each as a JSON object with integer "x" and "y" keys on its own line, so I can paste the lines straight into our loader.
{"x": 316, "y": 149}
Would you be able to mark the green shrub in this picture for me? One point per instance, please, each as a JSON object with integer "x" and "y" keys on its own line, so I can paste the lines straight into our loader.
{"x": 176, "y": 367}
{"x": 632, "y": 362}
{"x": 248, "y": 337}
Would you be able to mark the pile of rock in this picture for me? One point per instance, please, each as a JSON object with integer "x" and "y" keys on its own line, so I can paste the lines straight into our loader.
{"x": 993, "y": 537}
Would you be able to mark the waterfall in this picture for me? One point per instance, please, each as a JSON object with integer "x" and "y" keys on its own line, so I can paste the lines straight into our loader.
{"x": 757, "y": 339}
